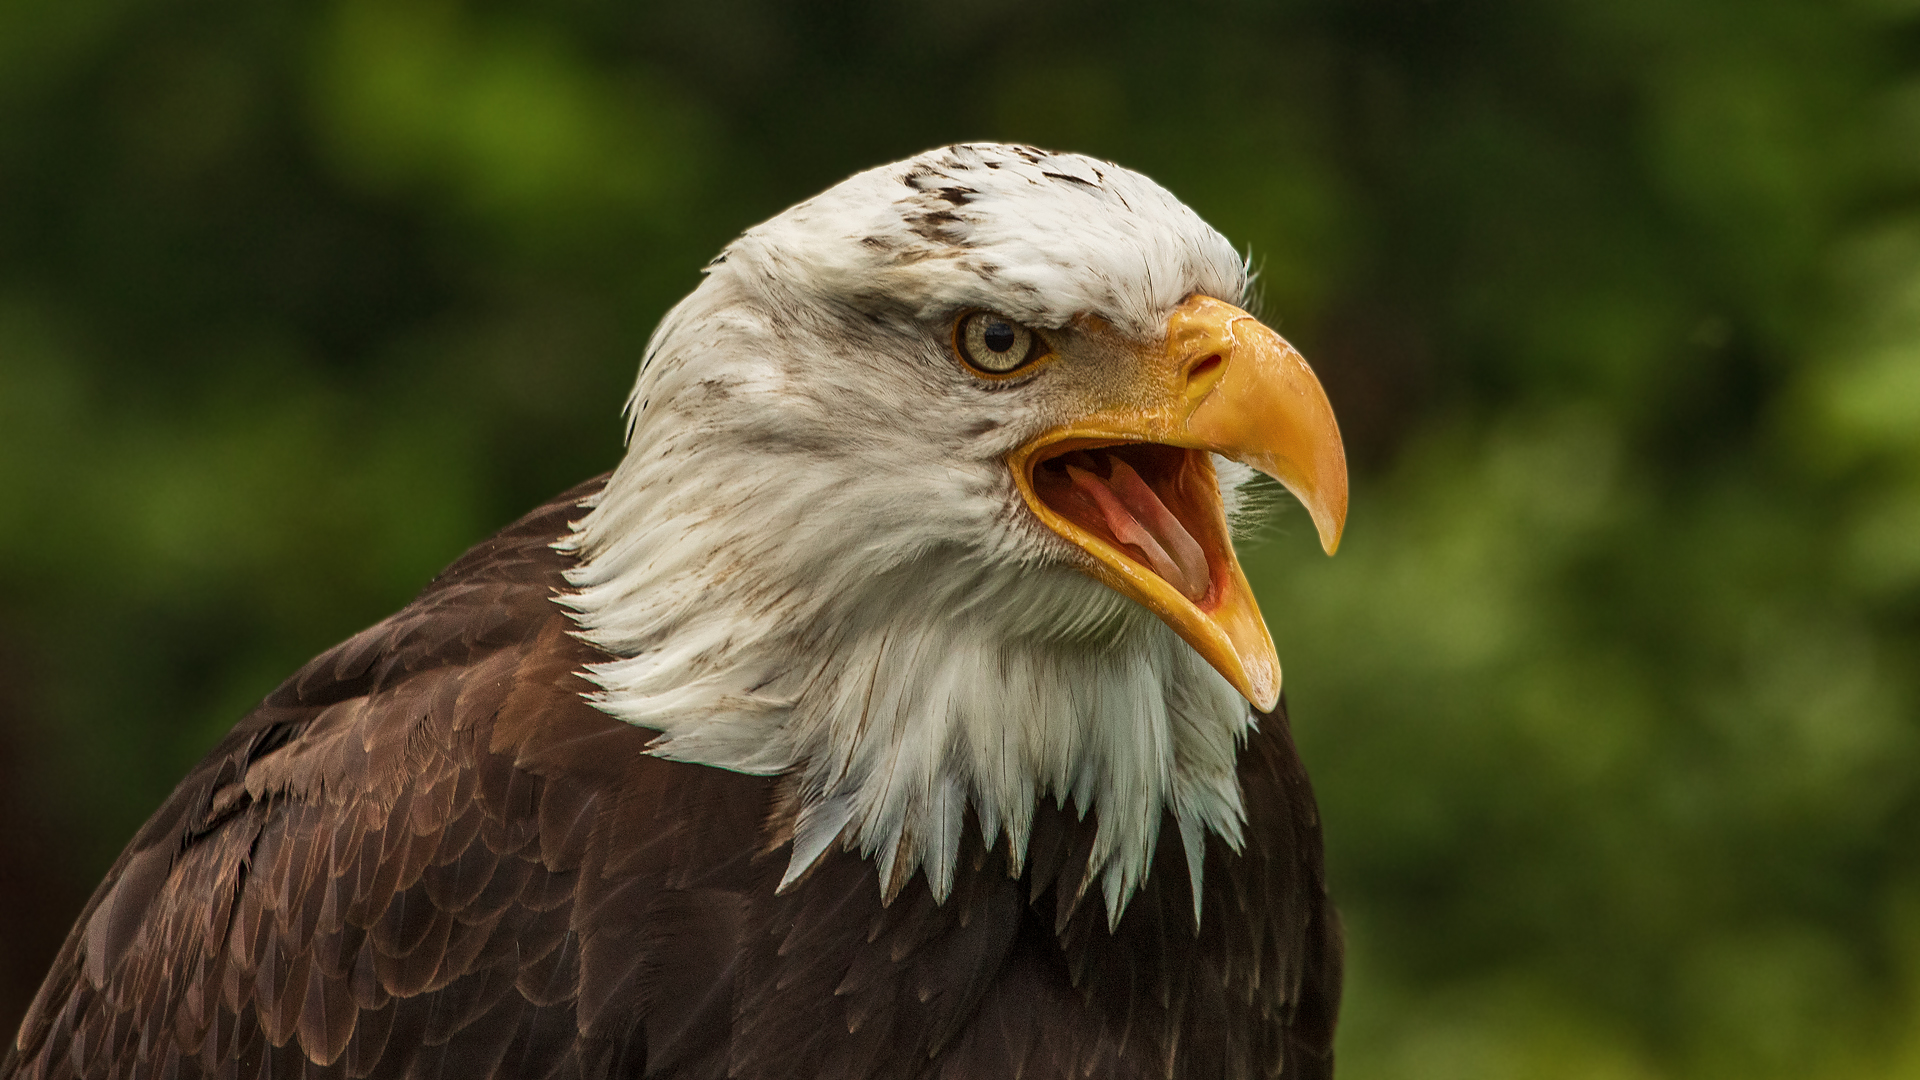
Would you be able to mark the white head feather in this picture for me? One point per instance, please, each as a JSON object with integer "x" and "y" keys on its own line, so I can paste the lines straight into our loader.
{"x": 813, "y": 559}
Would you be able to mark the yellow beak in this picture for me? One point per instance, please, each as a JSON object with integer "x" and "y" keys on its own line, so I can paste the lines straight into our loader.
{"x": 1133, "y": 486}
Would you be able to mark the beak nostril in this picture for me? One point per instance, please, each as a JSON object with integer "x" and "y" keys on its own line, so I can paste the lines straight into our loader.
{"x": 1202, "y": 376}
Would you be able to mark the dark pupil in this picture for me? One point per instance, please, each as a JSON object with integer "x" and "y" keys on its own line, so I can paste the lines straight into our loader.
{"x": 999, "y": 336}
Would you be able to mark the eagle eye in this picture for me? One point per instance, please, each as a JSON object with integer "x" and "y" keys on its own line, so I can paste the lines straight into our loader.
{"x": 994, "y": 344}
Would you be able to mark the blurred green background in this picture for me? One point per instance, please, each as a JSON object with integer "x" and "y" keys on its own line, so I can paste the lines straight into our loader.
{"x": 1611, "y": 696}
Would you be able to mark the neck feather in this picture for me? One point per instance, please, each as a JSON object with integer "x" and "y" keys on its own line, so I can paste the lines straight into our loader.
{"x": 898, "y": 699}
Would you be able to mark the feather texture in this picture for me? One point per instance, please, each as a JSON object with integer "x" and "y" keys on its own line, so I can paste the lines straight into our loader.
{"x": 426, "y": 856}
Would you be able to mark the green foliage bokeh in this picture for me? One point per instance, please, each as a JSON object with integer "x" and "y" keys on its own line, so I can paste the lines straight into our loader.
{"x": 1610, "y": 696}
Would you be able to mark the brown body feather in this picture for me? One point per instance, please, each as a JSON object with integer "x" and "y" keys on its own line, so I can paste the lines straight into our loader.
{"x": 425, "y": 855}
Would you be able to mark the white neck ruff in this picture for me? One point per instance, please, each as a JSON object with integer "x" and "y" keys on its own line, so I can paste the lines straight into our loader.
{"x": 759, "y": 628}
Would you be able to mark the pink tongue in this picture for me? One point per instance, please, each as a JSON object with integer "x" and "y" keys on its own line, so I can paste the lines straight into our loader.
{"x": 1136, "y": 516}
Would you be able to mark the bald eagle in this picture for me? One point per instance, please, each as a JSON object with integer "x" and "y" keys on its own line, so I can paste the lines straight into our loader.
{"x": 896, "y": 708}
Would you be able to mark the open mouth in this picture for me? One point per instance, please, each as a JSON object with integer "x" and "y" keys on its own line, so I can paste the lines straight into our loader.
{"x": 1157, "y": 505}
{"x": 1127, "y": 476}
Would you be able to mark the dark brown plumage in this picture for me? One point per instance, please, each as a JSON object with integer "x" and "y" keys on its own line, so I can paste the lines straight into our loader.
{"x": 426, "y": 856}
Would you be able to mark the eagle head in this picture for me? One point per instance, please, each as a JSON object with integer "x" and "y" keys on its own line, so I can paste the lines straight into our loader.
{"x": 925, "y": 505}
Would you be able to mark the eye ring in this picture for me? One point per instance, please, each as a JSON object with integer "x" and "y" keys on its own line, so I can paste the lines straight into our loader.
{"x": 994, "y": 345}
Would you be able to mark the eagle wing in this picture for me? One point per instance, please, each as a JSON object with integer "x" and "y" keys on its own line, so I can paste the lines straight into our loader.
{"x": 425, "y": 855}
{"x": 388, "y": 868}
